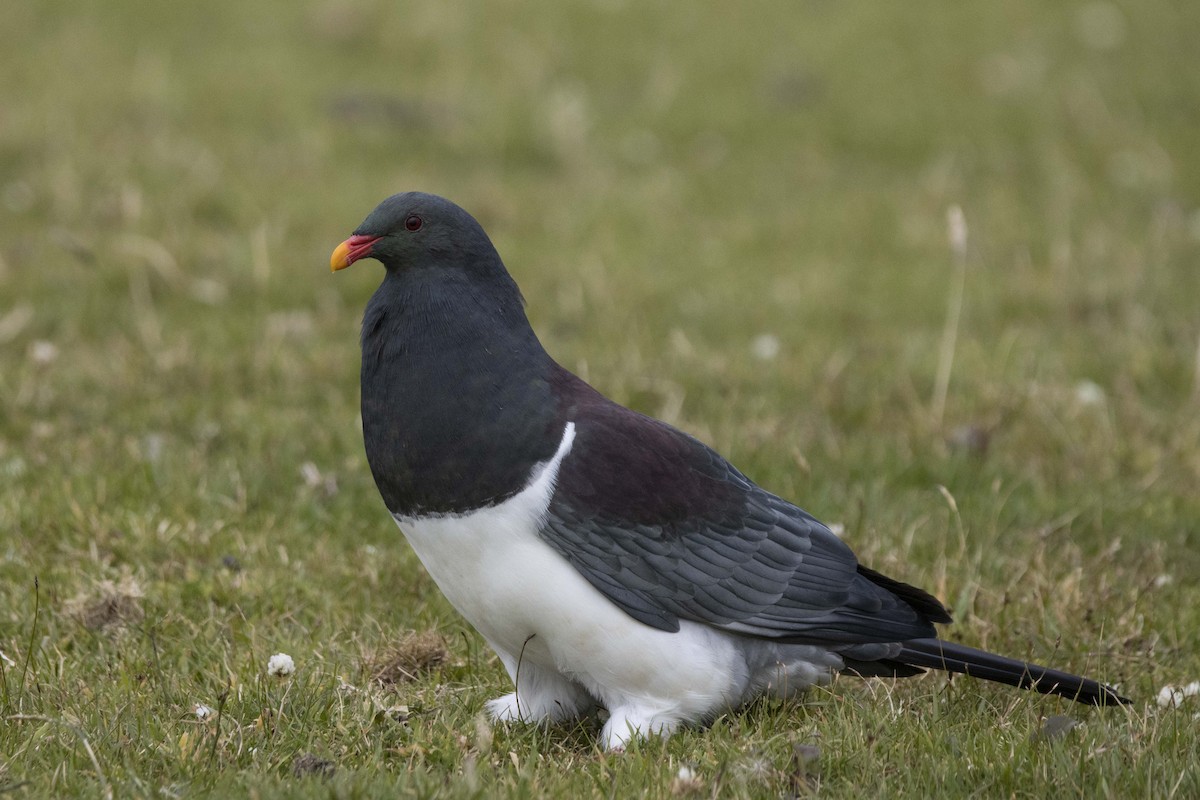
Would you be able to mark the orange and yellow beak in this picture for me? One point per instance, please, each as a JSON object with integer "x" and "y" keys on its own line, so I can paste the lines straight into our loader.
{"x": 351, "y": 250}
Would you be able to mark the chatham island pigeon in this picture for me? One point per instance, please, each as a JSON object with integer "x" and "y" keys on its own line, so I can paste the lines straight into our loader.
{"x": 609, "y": 559}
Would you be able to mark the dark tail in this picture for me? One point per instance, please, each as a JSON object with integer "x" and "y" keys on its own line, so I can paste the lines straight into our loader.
{"x": 939, "y": 654}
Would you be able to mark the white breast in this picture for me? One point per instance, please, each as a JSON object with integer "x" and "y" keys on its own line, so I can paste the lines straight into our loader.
{"x": 493, "y": 567}
{"x": 529, "y": 602}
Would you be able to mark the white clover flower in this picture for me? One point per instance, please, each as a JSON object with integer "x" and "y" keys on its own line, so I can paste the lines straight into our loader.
{"x": 686, "y": 782}
{"x": 1169, "y": 697}
{"x": 1173, "y": 696}
{"x": 281, "y": 665}
{"x": 43, "y": 352}
{"x": 765, "y": 347}
{"x": 1089, "y": 393}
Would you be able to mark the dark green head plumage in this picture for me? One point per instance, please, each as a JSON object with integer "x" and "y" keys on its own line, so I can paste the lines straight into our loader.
{"x": 414, "y": 230}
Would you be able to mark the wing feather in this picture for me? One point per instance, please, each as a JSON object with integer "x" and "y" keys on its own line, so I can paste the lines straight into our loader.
{"x": 668, "y": 530}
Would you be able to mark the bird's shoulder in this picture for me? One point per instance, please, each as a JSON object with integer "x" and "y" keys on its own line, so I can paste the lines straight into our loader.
{"x": 630, "y": 466}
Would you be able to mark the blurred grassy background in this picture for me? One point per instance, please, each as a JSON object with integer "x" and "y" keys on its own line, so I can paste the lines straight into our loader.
{"x": 730, "y": 217}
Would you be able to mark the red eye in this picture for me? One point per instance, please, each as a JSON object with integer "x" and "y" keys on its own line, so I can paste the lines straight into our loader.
{"x": 413, "y": 223}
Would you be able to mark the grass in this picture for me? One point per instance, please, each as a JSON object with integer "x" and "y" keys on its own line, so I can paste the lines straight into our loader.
{"x": 182, "y": 486}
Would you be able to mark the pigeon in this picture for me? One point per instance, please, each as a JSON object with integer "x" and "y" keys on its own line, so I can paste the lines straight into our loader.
{"x": 609, "y": 559}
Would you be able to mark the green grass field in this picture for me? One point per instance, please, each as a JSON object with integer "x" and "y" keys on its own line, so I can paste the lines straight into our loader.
{"x": 731, "y": 217}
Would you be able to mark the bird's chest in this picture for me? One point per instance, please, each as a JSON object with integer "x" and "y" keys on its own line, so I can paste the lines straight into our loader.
{"x": 495, "y": 569}
{"x": 451, "y": 434}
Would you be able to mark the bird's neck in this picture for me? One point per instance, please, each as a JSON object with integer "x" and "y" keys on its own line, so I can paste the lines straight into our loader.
{"x": 456, "y": 401}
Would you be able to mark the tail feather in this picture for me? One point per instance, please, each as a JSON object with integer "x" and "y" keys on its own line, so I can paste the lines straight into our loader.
{"x": 951, "y": 657}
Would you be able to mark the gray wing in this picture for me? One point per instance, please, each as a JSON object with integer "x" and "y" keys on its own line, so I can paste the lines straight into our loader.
{"x": 668, "y": 530}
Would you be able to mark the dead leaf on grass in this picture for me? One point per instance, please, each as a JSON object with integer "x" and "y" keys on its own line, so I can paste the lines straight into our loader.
{"x": 417, "y": 652}
{"x": 109, "y": 606}
{"x": 308, "y": 765}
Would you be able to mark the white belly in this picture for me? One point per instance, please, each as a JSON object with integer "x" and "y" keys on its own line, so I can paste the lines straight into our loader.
{"x": 494, "y": 569}
{"x": 531, "y": 604}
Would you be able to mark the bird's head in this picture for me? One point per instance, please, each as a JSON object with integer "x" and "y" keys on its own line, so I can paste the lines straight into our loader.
{"x": 414, "y": 230}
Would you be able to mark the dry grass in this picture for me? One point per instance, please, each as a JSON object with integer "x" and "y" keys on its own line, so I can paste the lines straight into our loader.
{"x": 416, "y": 653}
{"x": 109, "y": 606}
